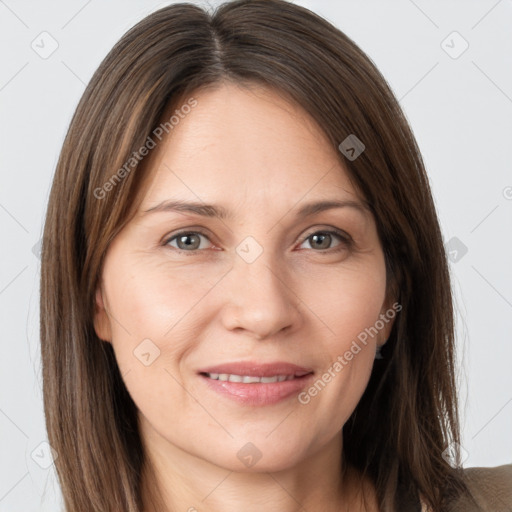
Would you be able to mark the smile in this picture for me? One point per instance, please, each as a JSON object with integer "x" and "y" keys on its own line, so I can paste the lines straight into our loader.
{"x": 256, "y": 390}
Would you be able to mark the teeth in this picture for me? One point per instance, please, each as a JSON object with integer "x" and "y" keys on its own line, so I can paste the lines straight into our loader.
{"x": 249, "y": 379}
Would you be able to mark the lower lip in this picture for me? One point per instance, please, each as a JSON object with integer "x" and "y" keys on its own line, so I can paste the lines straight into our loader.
{"x": 259, "y": 393}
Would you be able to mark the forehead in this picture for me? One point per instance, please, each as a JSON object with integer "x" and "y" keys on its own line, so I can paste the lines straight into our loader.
{"x": 250, "y": 143}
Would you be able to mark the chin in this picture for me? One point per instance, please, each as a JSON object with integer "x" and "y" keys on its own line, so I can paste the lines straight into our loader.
{"x": 258, "y": 456}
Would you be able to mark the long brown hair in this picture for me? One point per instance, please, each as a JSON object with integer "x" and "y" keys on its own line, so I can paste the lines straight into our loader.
{"x": 408, "y": 415}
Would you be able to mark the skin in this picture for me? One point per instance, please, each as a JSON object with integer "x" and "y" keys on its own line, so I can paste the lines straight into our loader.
{"x": 261, "y": 158}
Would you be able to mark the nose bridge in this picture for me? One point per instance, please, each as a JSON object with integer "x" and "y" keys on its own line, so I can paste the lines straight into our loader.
{"x": 256, "y": 260}
{"x": 265, "y": 275}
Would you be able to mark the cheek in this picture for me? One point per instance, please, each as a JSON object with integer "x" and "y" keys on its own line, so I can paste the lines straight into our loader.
{"x": 348, "y": 305}
{"x": 157, "y": 313}
{"x": 151, "y": 311}
{"x": 153, "y": 301}
{"x": 347, "y": 301}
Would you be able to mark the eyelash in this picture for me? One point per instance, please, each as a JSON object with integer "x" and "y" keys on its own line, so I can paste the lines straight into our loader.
{"x": 345, "y": 239}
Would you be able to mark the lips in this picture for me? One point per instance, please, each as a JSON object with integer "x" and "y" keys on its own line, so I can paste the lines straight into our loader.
{"x": 256, "y": 384}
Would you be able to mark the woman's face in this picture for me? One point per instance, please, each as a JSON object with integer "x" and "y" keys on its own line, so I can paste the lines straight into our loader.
{"x": 249, "y": 286}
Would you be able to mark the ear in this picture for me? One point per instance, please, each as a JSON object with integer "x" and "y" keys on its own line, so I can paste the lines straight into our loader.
{"x": 388, "y": 315}
{"x": 101, "y": 319}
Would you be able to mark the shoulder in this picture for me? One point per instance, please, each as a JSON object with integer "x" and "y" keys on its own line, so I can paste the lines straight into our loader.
{"x": 491, "y": 488}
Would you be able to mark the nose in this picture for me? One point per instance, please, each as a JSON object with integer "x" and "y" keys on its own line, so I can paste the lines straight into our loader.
{"x": 259, "y": 299}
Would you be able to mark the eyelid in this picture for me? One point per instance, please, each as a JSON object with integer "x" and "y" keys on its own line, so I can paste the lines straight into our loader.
{"x": 328, "y": 230}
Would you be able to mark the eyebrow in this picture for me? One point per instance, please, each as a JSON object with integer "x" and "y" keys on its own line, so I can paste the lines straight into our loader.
{"x": 217, "y": 211}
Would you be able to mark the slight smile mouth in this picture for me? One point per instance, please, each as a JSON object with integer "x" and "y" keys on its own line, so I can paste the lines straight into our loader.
{"x": 253, "y": 384}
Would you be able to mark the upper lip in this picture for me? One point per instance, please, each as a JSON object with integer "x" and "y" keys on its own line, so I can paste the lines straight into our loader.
{"x": 258, "y": 369}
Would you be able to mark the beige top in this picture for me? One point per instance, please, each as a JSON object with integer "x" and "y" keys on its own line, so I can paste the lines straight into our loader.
{"x": 491, "y": 487}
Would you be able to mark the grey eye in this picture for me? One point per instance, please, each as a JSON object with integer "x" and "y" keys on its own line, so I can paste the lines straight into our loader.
{"x": 322, "y": 239}
{"x": 187, "y": 241}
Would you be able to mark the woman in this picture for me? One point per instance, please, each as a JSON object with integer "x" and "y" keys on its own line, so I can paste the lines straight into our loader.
{"x": 245, "y": 300}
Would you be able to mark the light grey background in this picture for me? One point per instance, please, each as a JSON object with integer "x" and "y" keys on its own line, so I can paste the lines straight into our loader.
{"x": 460, "y": 109}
